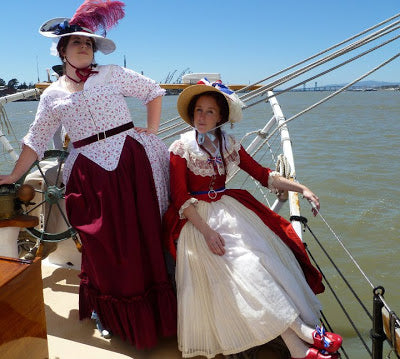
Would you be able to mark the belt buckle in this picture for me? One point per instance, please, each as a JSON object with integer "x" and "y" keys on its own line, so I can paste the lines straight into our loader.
{"x": 212, "y": 194}
{"x": 101, "y": 136}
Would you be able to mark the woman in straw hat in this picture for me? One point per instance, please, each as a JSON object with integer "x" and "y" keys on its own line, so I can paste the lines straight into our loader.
{"x": 116, "y": 177}
{"x": 243, "y": 277}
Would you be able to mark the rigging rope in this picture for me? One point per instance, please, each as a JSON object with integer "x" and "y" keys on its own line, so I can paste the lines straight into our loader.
{"x": 289, "y": 77}
{"x": 332, "y": 94}
{"x": 7, "y": 147}
{"x": 335, "y": 266}
{"x": 258, "y": 92}
{"x": 327, "y": 71}
{"x": 260, "y": 146}
{"x": 283, "y": 166}
{"x": 378, "y": 291}
{"x": 346, "y": 313}
{"x": 176, "y": 133}
{"x": 170, "y": 120}
{"x": 346, "y": 250}
{"x": 322, "y": 52}
{"x": 170, "y": 127}
{"x": 4, "y": 121}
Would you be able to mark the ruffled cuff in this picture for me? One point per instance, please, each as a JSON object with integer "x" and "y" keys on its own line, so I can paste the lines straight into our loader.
{"x": 271, "y": 180}
{"x": 186, "y": 205}
{"x": 154, "y": 93}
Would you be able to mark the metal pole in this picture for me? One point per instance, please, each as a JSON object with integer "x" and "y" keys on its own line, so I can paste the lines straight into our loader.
{"x": 377, "y": 334}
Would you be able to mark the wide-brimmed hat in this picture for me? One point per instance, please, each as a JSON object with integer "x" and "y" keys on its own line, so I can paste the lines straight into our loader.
{"x": 87, "y": 20}
{"x": 60, "y": 27}
{"x": 234, "y": 103}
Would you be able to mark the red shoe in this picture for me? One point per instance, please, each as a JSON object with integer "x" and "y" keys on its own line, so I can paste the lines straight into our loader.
{"x": 314, "y": 353}
{"x": 327, "y": 341}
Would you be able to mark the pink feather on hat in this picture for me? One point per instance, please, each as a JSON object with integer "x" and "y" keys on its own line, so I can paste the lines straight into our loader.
{"x": 98, "y": 14}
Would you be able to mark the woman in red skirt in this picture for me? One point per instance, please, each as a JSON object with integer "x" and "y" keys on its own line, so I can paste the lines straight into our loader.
{"x": 116, "y": 178}
{"x": 243, "y": 276}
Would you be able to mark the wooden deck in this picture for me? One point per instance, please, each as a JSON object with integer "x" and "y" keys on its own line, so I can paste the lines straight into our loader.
{"x": 68, "y": 337}
{"x": 57, "y": 279}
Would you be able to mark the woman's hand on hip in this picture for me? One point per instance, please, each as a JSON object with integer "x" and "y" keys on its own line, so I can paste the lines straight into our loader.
{"x": 146, "y": 130}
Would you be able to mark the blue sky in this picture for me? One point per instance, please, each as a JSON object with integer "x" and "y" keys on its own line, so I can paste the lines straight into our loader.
{"x": 244, "y": 41}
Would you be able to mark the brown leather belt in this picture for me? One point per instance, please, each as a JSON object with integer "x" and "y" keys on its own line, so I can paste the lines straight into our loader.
{"x": 103, "y": 135}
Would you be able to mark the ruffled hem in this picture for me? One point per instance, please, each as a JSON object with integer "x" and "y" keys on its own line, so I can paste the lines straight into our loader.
{"x": 140, "y": 319}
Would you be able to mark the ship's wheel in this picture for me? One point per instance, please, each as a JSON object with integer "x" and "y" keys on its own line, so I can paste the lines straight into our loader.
{"x": 48, "y": 202}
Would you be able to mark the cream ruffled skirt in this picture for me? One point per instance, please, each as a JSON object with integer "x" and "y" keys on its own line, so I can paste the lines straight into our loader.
{"x": 245, "y": 298}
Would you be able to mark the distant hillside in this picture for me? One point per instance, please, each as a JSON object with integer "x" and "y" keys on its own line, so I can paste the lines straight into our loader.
{"x": 371, "y": 83}
{"x": 362, "y": 85}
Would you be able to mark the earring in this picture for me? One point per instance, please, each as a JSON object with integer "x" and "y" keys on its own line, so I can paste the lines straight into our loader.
{"x": 64, "y": 60}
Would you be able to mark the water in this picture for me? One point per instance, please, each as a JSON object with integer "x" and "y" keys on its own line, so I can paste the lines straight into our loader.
{"x": 346, "y": 151}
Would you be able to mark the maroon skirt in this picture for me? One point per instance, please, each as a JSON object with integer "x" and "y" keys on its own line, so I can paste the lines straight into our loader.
{"x": 123, "y": 274}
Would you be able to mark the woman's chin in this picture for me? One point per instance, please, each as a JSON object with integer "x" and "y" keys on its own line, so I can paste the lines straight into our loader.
{"x": 202, "y": 129}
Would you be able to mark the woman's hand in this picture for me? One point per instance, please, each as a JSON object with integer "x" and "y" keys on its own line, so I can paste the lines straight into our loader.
{"x": 24, "y": 162}
{"x": 215, "y": 242}
{"x": 6, "y": 179}
{"x": 213, "y": 239}
{"x": 145, "y": 130}
{"x": 313, "y": 199}
{"x": 284, "y": 184}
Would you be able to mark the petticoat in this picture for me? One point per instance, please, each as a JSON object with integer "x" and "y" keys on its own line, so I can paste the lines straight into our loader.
{"x": 245, "y": 298}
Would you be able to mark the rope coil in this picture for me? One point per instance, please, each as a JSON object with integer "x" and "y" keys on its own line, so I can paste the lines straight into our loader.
{"x": 283, "y": 168}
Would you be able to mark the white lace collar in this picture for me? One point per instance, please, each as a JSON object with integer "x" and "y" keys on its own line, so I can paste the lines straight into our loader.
{"x": 197, "y": 160}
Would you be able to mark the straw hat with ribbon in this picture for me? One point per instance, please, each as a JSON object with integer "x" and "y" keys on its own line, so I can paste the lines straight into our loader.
{"x": 91, "y": 16}
{"x": 234, "y": 103}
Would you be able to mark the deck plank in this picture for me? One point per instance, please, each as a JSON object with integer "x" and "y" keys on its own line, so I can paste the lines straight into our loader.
{"x": 68, "y": 337}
